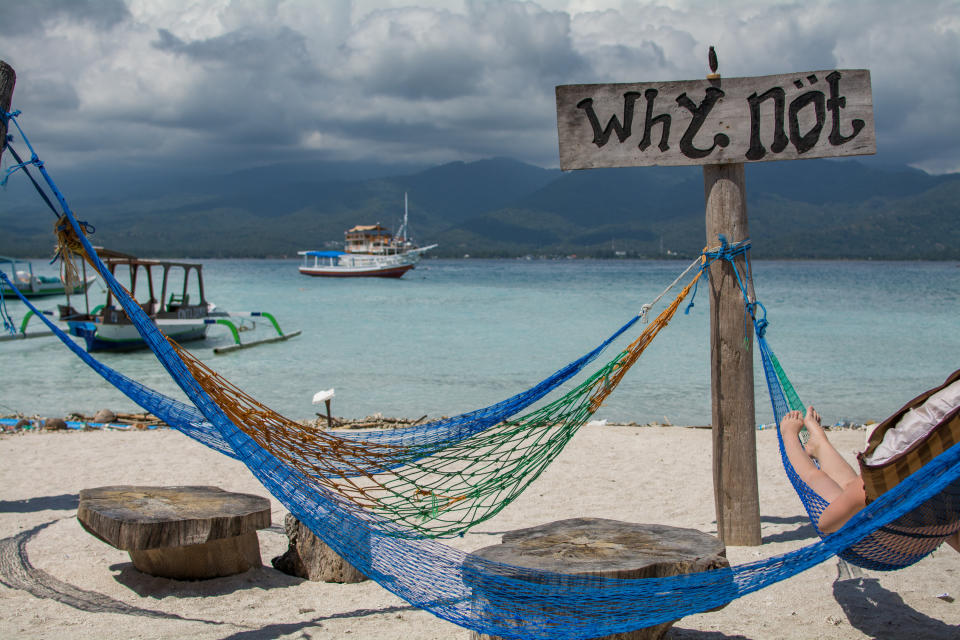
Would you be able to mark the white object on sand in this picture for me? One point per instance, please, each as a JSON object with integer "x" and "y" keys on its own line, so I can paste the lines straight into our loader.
{"x": 322, "y": 396}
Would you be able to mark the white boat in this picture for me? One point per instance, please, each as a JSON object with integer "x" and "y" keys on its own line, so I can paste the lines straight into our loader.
{"x": 369, "y": 251}
{"x": 108, "y": 328}
{"x": 34, "y": 286}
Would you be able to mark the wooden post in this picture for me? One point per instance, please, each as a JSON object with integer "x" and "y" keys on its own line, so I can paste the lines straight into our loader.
{"x": 731, "y": 364}
{"x": 8, "y": 78}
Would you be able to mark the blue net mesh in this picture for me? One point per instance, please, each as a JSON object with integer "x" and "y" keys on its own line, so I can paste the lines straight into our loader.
{"x": 485, "y": 596}
{"x": 512, "y": 601}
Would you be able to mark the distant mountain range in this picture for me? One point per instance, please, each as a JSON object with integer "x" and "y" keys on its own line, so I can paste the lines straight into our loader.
{"x": 500, "y": 207}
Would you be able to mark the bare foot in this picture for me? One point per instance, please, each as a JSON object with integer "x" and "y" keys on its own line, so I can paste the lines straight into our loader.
{"x": 791, "y": 424}
{"x": 817, "y": 435}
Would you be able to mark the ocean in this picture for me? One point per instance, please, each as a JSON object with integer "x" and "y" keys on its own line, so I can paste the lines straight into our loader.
{"x": 857, "y": 338}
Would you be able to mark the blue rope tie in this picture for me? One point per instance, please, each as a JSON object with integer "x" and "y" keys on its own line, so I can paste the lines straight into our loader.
{"x": 36, "y": 161}
{"x": 9, "y": 117}
{"x": 729, "y": 252}
{"x": 12, "y": 169}
{"x": 759, "y": 324}
{"x": 8, "y": 324}
{"x": 36, "y": 185}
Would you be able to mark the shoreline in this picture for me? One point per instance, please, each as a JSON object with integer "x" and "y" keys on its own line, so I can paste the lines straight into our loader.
{"x": 17, "y": 422}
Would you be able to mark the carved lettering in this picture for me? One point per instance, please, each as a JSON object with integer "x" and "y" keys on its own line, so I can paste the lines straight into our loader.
{"x": 780, "y": 140}
{"x": 807, "y": 141}
{"x": 663, "y": 119}
{"x": 602, "y": 136}
{"x": 834, "y": 104}
{"x": 699, "y": 116}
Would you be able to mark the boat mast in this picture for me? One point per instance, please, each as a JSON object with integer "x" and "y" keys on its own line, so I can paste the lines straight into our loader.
{"x": 400, "y": 242}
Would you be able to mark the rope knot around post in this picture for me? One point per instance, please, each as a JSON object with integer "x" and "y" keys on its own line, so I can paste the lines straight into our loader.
{"x": 759, "y": 324}
{"x": 5, "y": 117}
{"x": 725, "y": 251}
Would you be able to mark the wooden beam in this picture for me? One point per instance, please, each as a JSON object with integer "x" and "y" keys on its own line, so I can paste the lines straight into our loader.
{"x": 8, "y": 78}
{"x": 731, "y": 364}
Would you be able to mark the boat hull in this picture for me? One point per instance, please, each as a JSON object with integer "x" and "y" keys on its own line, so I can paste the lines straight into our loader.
{"x": 395, "y": 271}
{"x": 125, "y": 337}
{"x": 40, "y": 289}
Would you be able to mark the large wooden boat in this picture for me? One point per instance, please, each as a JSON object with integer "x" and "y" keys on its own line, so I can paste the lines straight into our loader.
{"x": 369, "y": 251}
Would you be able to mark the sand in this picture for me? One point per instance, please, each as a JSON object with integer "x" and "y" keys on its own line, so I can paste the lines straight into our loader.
{"x": 57, "y": 581}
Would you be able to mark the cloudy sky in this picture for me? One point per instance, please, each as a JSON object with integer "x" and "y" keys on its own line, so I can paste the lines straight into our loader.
{"x": 240, "y": 83}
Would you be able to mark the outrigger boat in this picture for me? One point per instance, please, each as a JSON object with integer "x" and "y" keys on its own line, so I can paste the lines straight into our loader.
{"x": 369, "y": 251}
{"x": 35, "y": 286}
{"x": 178, "y": 307}
{"x": 107, "y": 327}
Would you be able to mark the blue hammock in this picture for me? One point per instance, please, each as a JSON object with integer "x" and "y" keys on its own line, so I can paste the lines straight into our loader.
{"x": 443, "y": 580}
{"x": 517, "y": 602}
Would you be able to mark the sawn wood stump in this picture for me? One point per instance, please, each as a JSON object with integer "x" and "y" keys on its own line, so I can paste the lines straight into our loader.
{"x": 185, "y": 533}
{"x": 309, "y": 557}
{"x": 597, "y": 547}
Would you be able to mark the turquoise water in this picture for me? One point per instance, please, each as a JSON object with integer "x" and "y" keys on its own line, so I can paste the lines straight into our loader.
{"x": 858, "y": 339}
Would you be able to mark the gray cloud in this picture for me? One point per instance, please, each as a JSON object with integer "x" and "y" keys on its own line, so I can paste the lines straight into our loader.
{"x": 250, "y": 82}
{"x": 36, "y": 16}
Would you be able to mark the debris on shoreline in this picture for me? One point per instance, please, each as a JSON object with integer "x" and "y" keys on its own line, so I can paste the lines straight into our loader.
{"x": 375, "y": 421}
{"x": 77, "y": 421}
{"x": 107, "y": 419}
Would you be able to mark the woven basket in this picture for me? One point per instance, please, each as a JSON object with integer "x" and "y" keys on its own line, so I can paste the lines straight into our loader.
{"x": 878, "y": 479}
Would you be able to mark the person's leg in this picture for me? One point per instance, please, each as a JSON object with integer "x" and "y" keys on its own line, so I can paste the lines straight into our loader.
{"x": 819, "y": 447}
{"x": 825, "y": 486}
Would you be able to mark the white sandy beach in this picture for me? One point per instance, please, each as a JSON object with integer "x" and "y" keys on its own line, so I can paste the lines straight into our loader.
{"x": 57, "y": 581}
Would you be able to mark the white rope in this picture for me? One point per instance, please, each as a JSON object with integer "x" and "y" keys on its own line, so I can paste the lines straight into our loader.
{"x": 645, "y": 308}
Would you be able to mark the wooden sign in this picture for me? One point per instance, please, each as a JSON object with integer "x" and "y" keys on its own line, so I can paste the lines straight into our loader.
{"x": 814, "y": 114}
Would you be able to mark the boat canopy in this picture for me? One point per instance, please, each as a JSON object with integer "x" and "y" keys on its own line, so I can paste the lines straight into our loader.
{"x": 367, "y": 227}
{"x": 13, "y": 261}
{"x": 321, "y": 254}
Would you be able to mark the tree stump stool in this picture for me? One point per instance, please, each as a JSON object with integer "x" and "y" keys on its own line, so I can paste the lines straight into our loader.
{"x": 185, "y": 533}
{"x": 601, "y": 547}
{"x": 307, "y": 556}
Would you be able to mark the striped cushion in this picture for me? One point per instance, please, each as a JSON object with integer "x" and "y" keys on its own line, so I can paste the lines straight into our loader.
{"x": 880, "y": 478}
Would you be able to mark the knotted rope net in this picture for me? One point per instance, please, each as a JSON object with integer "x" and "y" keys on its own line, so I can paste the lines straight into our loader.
{"x": 485, "y": 596}
{"x": 430, "y": 490}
